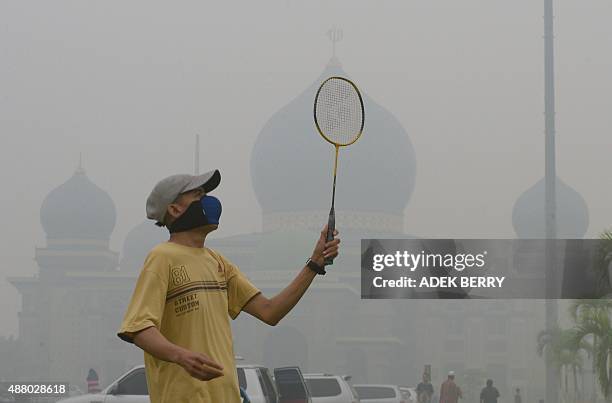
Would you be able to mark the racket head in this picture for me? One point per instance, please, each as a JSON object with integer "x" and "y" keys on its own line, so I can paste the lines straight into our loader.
{"x": 338, "y": 111}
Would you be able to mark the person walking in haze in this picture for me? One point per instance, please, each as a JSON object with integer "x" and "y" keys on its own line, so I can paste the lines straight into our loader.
{"x": 424, "y": 390}
{"x": 517, "y": 396}
{"x": 186, "y": 292}
{"x": 93, "y": 385}
{"x": 489, "y": 393}
{"x": 449, "y": 391}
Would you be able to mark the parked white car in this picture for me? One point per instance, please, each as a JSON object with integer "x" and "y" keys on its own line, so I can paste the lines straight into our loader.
{"x": 131, "y": 387}
{"x": 328, "y": 388}
{"x": 380, "y": 394}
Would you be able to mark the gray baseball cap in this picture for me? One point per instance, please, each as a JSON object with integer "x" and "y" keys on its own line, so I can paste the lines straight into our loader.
{"x": 167, "y": 190}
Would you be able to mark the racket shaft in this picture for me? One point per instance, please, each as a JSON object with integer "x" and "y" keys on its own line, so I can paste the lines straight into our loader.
{"x": 331, "y": 222}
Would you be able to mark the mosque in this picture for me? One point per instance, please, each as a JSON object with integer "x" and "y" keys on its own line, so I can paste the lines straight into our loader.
{"x": 72, "y": 307}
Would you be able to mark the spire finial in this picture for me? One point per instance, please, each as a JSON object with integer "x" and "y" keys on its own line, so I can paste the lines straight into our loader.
{"x": 196, "y": 157}
{"x": 334, "y": 35}
{"x": 80, "y": 170}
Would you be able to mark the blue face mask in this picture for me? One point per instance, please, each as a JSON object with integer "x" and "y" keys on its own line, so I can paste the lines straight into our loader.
{"x": 211, "y": 206}
{"x": 205, "y": 211}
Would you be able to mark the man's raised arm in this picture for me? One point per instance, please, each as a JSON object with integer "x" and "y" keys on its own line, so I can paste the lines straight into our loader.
{"x": 272, "y": 310}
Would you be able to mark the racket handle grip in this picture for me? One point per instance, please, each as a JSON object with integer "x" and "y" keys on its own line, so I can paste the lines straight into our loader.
{"x": 331, "y": 226}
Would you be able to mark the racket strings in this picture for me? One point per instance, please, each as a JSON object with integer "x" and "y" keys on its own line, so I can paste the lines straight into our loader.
{"x": 339, "y": 112}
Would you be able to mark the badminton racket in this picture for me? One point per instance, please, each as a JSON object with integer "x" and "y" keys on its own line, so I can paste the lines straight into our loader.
{"x": 339, "y": 118}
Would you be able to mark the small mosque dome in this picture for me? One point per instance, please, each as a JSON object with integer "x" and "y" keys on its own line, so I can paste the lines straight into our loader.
{"x": 528, "y": 216}
{"x": 138, "y": 242}
{"x": 292, "y": 166}
{"x": 78, "y": 209}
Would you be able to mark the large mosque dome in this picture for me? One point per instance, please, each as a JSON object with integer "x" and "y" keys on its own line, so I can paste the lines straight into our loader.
{"x": 78, "y": 209}
{"x": 528, "y": 216}
{"x": 292, "y": 166}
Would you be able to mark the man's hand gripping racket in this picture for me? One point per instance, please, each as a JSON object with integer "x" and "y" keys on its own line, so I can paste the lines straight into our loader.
{"x": 325, "y": 249}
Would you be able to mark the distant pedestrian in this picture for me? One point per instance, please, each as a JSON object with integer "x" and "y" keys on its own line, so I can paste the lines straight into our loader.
{"x": 93, "y": 383}
{"x": 489, "y": 393}
{"x": 517, "y": 396}
{"x": 449, "y": 391}
{"x": 425, "y": 390}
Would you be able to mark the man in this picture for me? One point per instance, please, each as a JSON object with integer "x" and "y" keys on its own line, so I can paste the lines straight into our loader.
{"x": 489, "y": 393}
{"x": 424, "y": 390}
{"x": 449, "y": 391}
{"x": 183, "y": 298}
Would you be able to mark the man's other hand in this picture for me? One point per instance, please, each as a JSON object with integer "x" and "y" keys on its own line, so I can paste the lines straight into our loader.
{"x": 199, "y": 366}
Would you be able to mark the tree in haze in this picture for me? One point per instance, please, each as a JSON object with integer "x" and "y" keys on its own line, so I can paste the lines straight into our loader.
{"x": 566, "y": 356}
{"x": 581, "y": 311}
{"x": 592, "y": 318}
{"x": 593, "y": 321}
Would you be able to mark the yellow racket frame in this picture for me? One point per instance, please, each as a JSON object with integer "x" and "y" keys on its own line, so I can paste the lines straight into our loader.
{"x": 338, "y": 145}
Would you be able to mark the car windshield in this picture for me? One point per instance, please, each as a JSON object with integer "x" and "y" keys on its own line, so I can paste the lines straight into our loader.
{"x": 133, "y": 384}
{"x": 323, "y": 387}
{"x": 375, "y": 392}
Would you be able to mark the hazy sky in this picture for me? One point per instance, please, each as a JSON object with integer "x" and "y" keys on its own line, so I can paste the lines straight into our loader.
{"x": 129, "y": 84}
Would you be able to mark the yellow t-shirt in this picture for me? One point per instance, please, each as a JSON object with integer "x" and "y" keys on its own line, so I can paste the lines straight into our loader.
{"x": 189, "y": 294}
